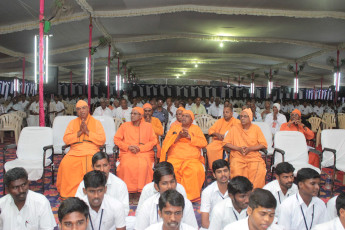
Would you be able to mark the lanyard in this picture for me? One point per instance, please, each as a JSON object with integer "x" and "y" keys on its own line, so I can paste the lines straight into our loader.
{"x": 236, "y": 215}
{"x": 100, "y": 222}
{"x": 305, "y": 221}
{"x": 279, "y": 197}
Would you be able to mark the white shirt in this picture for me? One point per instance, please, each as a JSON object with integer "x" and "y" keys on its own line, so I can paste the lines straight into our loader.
{"x": 188, "y": 106}
{"x": 159, "y": 226}
{"x": 149, "y": 190}
{"x": 284, "y": 108}
{"x": 275, "y": 124}
{"x": 35, "y": 107}
{"x": 59, "y": 107}
{"x": 305, "y": 110}
{"x": 318, "y": 110}
{"x": 35, "y": 214}
{"x": 334, "y": 224}
{"x": 331, "y": 209}
{"x": 243, "y": 225}
{"x": 291, "y": 217}
{"x": 216, "y": 111}
{"x": 210, "y": 196}
{"x": 276, "y": 191}
{"x": 103, "y": 112}
{"x": 172, "y": 109}
{"x": 148, "y": 214}
{"x": 23, "y": 105}
{"x": 116, "y": 188}
{"x": 122, "y": 114}
{"x": 224, "y": 213}
{"x": 113, "y": 214}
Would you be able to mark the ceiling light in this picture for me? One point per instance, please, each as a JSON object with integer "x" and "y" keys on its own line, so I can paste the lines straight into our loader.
{"x": 196, "y": 66}
{"x": 221, "y": 45}
{"x": 177, "y": 77}
{"x": 184, "y": 72}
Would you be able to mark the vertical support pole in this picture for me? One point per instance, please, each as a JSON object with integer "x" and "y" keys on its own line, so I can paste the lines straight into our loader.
{"x": 23, "y": 81}
{"x": 337, "y": 80}
{"x": 70, "y": 79}
{"x": 89, "y": 62}
{"x": 41, "y": 104}
{"x": 108, "y": 86}
{"x": 295, "y": 97}
{"x": 118, "y": 77}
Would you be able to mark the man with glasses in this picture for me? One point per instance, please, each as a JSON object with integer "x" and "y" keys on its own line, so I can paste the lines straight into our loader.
{"x": 136, "y": 140}
{"x": 85, "y": 135}
{"x": 245, "y": 140}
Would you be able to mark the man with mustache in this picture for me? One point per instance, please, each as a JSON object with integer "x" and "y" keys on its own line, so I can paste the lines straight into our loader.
{"x": 171, "y": 205}
{"x": 215, "y": 192}
{"x": 106, "y": 212}
{"x": 283, "y": 186}
{"x": 234, "y": 207}
{"x": 304, "y": 210}
{"x": 23, "y": 208}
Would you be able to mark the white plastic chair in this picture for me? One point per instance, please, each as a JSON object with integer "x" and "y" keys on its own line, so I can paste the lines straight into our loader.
{"x": 117, "y": 122}
{"x": 35, "y": 147}
{"x": 266, "y": 130}
{"x": 10, "y": 122}
{"x": 109, "y": 129}
{"x": 202, "y": 122}
{"x": 333, "y": 153}
{"x": 59, "y": 128}
{"x": 291, "y": 146}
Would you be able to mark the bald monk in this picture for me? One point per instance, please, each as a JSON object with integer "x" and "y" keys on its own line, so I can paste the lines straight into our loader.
{"x": 156, "y": 124}
{"x": 245, "y": 140}
{"x": 295, "y": 124}
{"x": 178, "y": 120}
{"x": 85, "y": 135}
{"x": 217, "y": 131}
{"x": 183, "y": 145}
{"x": 136, "y": 140}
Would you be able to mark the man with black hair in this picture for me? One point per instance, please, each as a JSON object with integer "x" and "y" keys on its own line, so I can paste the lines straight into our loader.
{"x": 260, "y": 211}
{"x": 23, "y": 208}
{"x": 116, "y": 188}
{"x": 215, "y": 192}
{"x": 150, "y": 189}
{"x": 304, "y": 209}
{"x": 105, "y": 212}
{"x": 171, "y": 205}
{"x": 73, "y": 214}
{"x": 233, "y": 208}
{"x": 164, "y": 179}
{"x": 283, "y": 186}
{"x": 337, "y": 223}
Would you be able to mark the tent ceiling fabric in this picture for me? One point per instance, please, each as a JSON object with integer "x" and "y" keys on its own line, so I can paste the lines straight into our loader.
{"x": 162, "y": 39}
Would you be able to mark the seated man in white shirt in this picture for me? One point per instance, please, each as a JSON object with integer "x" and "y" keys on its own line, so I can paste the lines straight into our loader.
{"x": 73, "y": 213}
{"x": 60, "y": 108}
{"x": 304, "y": 209}
{"x": 105, "y": 211}
{"x": 164, "y": 179}
{"x": 275, "y": 119}
{"x": 215, "y": 192}
{"x": 103, "y": 110}
{"x": 171, "y": 206}
{"x": 283, "y": 186}
{"x": 123, "y": 112}
{"x": 260, "y": 211}
{"x": 337, "y": 223}
{"x": 23, "y": 208}
{"x": 150, "y": 189}
{"x": 233, "y": 208}
{"x": 116, "y": 187}
{"x": 216, "y": 109}
{"x": 331, "y": 209}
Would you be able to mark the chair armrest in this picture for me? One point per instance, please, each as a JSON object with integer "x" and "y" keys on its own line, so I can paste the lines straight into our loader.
{"x": 334, "y": 155}
{"x": 315, "y": 151}
{"x": 282, "y": 152}
{"x": 329, "y": 150}
{"x": 63, "y": 148}
{"x": 204, "y": 153}
{"x": 45, "y": 148}
{"x": 103, "y": 148}
{"x": 226, "y": 149}
{"x": 12, "y": 146}
{"x": 264, "y": 150}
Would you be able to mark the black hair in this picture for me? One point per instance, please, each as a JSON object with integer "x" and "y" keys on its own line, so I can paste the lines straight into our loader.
{"x": 160, "y": 172}
{"x": 263, "y": 198}
{"x": 306, "y": 173}
{"x": 340, "y": 202}
{"x": 284, "y": 167}
{"x": 220, "y": 163}
{"x": 239, "y": 184}
{"x": 164, "y": 164}
{"x": 15, "y": 174}
{"x": 73, "y": 204}
{"x": 172, "y": 197}
{"x": 95, "y": 179}
{"x": 99, "y": 156}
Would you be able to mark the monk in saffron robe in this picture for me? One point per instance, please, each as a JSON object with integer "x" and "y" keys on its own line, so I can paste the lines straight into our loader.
{"x": 295, "y": 124}
{"x": 136, "y": 140}
{"x": 183, "y": 145}
{"x": 156, "y": 124}
{"x": 85, "y": 135}
{"x": 245, "y": 140}
{"x": 217, "y": 131}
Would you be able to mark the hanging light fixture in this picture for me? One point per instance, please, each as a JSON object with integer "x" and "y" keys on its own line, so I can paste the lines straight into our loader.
{"x": 295, "y": 85}
{"x": 270, "y": 86}
{"x": 337, "y": 83}
{"x": 106, "y": 75}
{"x": 86, "y": 70}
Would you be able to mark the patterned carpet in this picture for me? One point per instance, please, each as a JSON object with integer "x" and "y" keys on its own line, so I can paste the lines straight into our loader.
{"x": 52, "y": 194}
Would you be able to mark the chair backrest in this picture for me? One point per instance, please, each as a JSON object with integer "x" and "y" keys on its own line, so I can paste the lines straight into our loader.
{"x": 315, "y": 123}
{"x": 238, "y": 110}
{"x": 117, "y": 122}
{"x": 341, "y": 120}
{"x": 333, "y": 139}
{"x": 31, "y": 143}
{"x": 10, "y": 120}
{"x": 328, "y": 121}
{"x": 59, "y": 127}
{"x": 266, "y": 130}
{"x": 202, "y": 121}
{"x": 20, "y": 114}
{"x": 109, "y": 129}
{"x": 295, "y": 146}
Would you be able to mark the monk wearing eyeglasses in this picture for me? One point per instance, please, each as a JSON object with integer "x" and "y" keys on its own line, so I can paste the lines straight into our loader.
{"x": 245, "y": 140}
{"x": 136, "y": 140}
